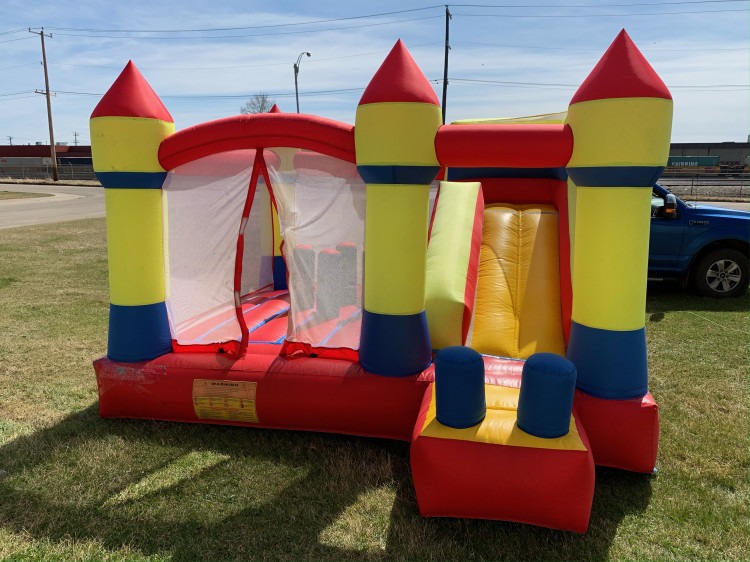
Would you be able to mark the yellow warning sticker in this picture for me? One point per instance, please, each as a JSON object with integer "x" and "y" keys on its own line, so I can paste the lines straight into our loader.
{"x": 225, "y": 400}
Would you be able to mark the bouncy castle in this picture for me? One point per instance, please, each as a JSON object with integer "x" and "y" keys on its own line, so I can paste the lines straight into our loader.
{"x": 476, "y": 289}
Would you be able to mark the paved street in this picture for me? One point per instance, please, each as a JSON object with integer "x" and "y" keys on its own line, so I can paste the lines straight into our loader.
{"x": 67, "y": 203}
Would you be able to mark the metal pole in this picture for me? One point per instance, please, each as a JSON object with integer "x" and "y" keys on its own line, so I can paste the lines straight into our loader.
{"x": 445, "y": 63}
{"x": 296, "y": 72}
{"x": 296, "y": 88}
{"x": 46, "y": 92}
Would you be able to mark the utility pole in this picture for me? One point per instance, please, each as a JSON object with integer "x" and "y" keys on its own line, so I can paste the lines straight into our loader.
{"x": 75, "y": 138}
{"x": 47, "y": 94}
{"x": 10, "y": 140}
{"x": 445, "y": 63}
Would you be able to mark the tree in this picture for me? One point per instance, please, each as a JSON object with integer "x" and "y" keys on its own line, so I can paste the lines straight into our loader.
{"x": 259, "y": 103}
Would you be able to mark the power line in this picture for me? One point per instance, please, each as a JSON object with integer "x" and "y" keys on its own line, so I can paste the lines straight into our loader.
{"x": 595, "y": 49}
{"x": 698, "y": 87}
{"x": 17, "y": 98}
{"x": 369, "y": 53}
{"x": 212, "y": 29}
{"x": 391, "y": 22}
{"x": 15, "y": 93}
{"x": 19, "y": 65}
{"x": 19, "y": 39}
{"x": 542, "y": 85}
{"x": 226, "y": 96}
{"x": 645, "y": 14}
{"x": 233, "y": 67}
{"x": 381, "y": 14}
{"x": 595, "y": 5}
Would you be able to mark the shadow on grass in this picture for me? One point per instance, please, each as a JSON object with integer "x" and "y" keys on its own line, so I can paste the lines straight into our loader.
{"x": 270, "y": 494}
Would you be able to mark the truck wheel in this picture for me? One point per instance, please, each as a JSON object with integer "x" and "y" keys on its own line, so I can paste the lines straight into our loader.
{"x": 722, "y": 274}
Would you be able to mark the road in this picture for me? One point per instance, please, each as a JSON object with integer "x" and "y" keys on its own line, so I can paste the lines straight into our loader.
{"x": 66, "y": 204}
{"x": 73, "y": 202}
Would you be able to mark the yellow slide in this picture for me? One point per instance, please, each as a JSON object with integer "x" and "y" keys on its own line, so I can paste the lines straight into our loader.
{"x": 518, "y": 310}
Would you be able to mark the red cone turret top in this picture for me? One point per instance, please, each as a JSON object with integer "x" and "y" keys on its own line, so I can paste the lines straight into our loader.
{"x": 274, "y": 109}
{"x": 399, "y": 79}
{"x": 131, "y": 96}
{"x": 622, "y": 72}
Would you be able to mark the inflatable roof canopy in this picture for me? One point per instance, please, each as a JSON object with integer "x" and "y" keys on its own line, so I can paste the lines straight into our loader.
{"x": 476, "y": 289}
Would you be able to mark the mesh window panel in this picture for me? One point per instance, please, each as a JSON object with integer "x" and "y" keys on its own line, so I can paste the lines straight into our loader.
{"x": 321, "y": 205}
{"x": 204, "y": 200}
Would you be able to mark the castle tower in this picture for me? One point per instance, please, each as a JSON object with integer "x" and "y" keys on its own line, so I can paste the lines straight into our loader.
{"x": 621, "y": 118}
{"x": 394, "y": 136}
{"x": 127, "y": 127}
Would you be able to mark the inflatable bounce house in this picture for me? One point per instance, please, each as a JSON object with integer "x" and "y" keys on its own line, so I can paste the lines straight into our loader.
{"x": 289, "y": 271}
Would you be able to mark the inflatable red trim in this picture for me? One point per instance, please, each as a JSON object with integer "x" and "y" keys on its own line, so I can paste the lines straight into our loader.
{"x": 258, "y": 131}
{"x": 499, "y": 146}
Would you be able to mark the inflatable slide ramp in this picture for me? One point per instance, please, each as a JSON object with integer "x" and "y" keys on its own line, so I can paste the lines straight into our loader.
{"x": 518, "y": 310}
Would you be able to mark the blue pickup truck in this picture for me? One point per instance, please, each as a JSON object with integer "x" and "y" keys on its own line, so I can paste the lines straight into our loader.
{"x": 704, "y": 246}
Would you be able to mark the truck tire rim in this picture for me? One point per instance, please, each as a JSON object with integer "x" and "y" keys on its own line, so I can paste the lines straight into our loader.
{"x": 723, "y": 276}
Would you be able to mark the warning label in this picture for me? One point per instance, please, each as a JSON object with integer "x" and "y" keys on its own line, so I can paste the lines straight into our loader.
{"x": 225, "y": 400}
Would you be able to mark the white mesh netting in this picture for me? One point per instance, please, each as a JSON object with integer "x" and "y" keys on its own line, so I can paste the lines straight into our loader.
{"x": 321, "y": 205}
{"x": 203, "y": 203}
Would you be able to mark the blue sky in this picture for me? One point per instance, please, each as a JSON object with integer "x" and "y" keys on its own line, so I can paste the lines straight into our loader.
{"x": 524, "y": 59}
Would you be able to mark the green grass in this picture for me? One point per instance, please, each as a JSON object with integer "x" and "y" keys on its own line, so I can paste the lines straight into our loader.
{"x": 5, "y": 195}
{"x": 74, "y": 486}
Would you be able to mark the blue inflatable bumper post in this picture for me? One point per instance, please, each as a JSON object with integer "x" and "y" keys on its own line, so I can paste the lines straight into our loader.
{"x": 546, "y": 401}
{"x": 459, "y": 387}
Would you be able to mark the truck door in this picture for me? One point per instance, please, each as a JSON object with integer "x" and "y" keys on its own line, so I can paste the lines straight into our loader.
{"x": 665, "y": 242}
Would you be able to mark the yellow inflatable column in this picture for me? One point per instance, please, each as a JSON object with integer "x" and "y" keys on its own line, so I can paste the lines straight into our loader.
{"x": 621, "y": 119}
{"x": 394, "y": 135}
{"x": 127, "y": 127}
{"x": 285, "y": 166}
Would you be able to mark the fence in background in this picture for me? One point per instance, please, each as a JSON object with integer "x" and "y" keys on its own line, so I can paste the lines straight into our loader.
{"x": 44, "y": 172}
{"x": 702, "y": 186}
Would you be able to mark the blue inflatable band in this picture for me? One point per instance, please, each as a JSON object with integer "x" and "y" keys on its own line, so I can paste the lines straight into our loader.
{"x": 394, "y": 346}
{"x": 458, "y": 174}
{"x": 132, "y": 180}
{"x": 279, "y": 274}
{"x": 611, "y": 364}
{"x": 409, "y": 175}
{"x": 616, "y": 176}
{"x": 138, "y": 333}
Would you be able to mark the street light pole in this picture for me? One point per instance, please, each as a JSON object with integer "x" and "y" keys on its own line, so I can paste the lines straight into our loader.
{"x": 296, "y": 72}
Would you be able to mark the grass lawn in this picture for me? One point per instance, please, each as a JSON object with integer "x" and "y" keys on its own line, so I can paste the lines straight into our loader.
{"x": 74, "y": 486}
{"x": 5, "y": 195}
